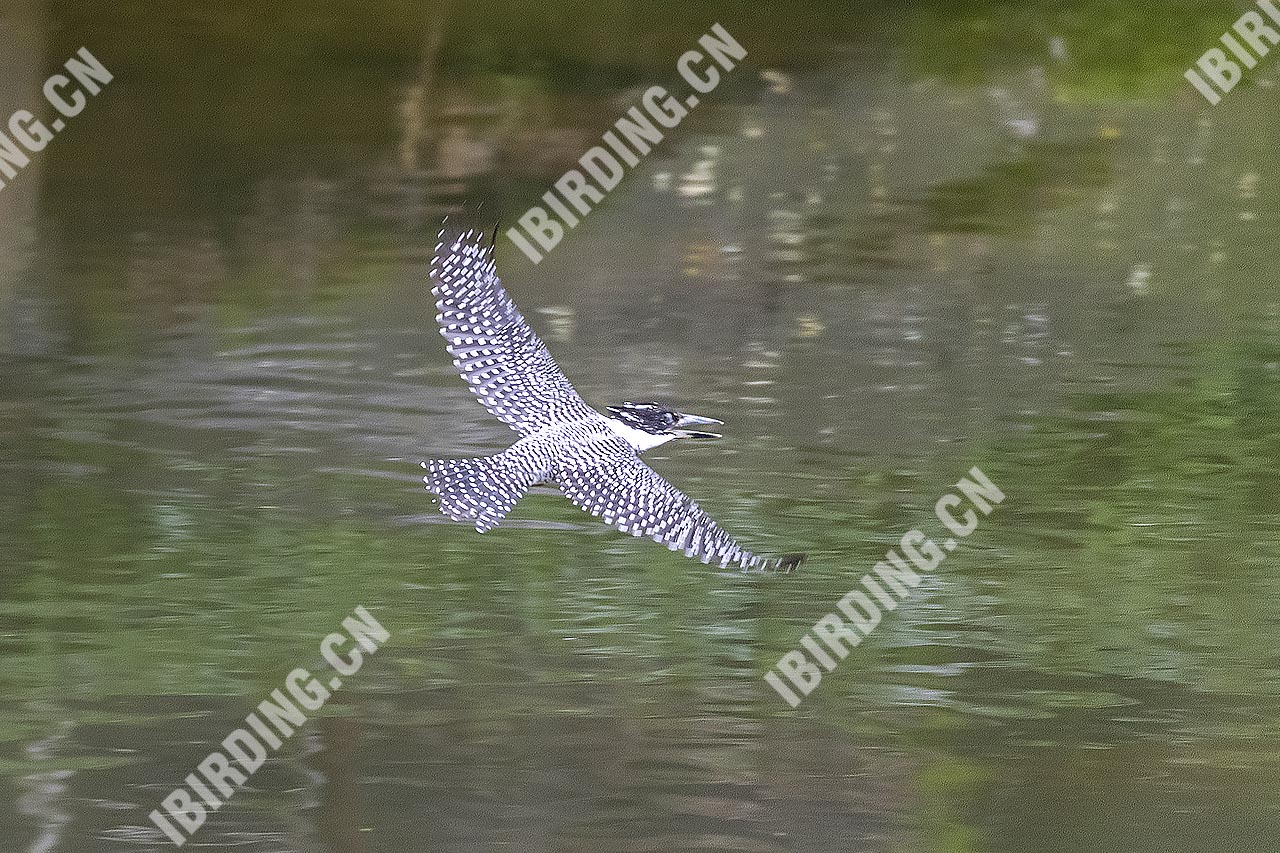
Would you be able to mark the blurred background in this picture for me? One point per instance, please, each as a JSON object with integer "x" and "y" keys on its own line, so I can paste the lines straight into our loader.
{"x": 900, "y": 240}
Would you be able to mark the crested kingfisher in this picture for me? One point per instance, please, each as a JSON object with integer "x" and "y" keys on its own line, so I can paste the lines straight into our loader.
{"x": 593, "y": 458}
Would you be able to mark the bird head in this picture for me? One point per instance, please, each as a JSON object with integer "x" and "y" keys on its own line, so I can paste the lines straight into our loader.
{"x": 661, "y": 422}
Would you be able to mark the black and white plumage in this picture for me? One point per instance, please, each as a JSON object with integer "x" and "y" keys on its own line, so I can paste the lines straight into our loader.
{"x": 593, "y": 458}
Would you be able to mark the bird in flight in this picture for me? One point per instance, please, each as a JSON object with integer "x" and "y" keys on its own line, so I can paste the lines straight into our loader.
{"x": 593, "y": 458}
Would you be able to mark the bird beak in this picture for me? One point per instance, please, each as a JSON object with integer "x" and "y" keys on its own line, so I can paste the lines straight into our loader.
{"x": 694, "y": 420}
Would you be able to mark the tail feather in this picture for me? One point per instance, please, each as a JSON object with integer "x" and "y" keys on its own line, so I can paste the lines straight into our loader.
{"x": 481, "y": 490}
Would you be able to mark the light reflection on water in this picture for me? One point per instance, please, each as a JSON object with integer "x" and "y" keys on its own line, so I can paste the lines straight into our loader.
{"x": 213, "y": 426}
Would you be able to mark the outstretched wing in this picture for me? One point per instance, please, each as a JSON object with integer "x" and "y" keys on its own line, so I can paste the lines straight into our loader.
{"x": 495, "y": 351}
{"x": 635, "y": 499}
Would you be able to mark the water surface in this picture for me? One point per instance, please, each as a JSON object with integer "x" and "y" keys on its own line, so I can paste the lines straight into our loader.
{"x": 220, "y": 370}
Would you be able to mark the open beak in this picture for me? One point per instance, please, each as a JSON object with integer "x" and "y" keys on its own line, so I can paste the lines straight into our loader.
{"x": 684, "y": 421}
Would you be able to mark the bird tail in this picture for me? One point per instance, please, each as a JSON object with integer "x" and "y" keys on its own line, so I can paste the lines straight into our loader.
{"x": 481, "y": 490}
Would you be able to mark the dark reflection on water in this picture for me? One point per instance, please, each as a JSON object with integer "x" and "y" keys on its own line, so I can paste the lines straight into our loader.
{"x": 211, "y": 420}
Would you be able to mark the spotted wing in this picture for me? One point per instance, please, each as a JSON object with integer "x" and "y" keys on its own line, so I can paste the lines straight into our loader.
{"x": 507, "y": 367}
{"x": 635, "y": 499}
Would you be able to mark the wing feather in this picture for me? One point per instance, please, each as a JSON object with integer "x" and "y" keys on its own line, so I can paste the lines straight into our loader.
{"x": 505, "y": 364}
{"x": 636, "y": 499}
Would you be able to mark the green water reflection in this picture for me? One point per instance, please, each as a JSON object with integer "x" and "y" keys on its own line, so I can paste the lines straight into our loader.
{"x": 928, "y": 238}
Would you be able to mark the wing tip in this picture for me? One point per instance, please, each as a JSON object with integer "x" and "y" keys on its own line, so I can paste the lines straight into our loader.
{"x": 791, "y": 562}
{"x": 785, "y": 564}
